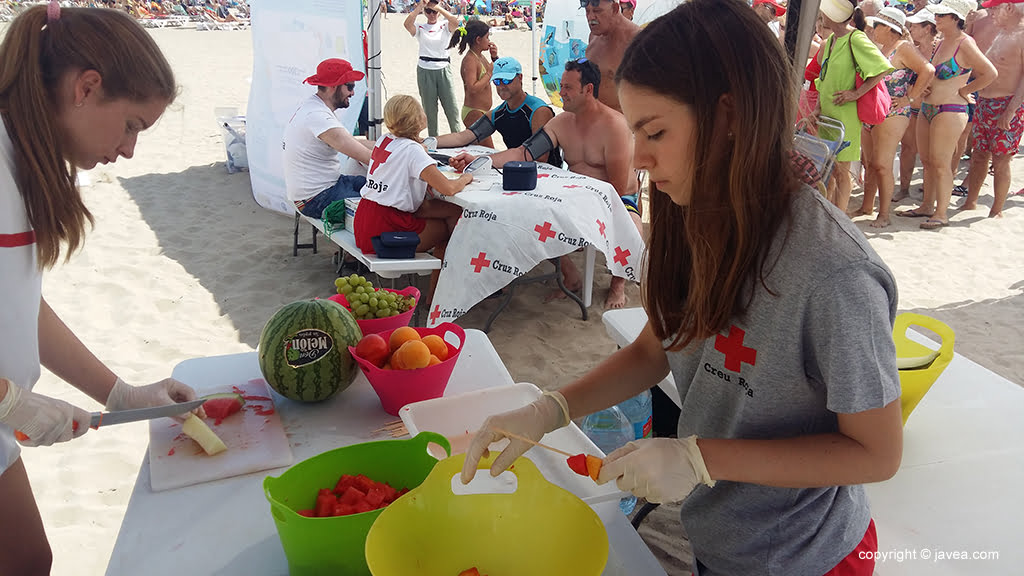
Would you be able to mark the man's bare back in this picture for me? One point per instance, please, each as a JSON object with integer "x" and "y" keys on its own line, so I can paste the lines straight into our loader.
{"x": 606, "y": 52}
{"x": 1006, "y": 54}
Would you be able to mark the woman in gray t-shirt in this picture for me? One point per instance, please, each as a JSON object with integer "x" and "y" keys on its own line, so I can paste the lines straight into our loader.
{"x": 766, "y": 304}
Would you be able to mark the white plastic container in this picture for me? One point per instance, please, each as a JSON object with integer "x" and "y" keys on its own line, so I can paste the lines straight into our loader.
{"x": 232, "y": 127}
{"x": 459, "y": 417}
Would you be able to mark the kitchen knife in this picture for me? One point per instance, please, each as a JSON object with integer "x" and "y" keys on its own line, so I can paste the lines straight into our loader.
{"x": 123, "y": 416}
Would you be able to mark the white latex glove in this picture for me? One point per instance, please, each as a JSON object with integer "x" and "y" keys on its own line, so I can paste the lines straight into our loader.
{"x": 43, "y": 419}
{"x": 546, "y": 414}
{"x": 658, "y": 469}
{"x": 167, "y": 391}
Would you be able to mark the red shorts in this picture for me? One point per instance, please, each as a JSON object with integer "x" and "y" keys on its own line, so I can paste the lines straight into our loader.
{"x": 372, "y": 219}
{"x": 988, "y": 136}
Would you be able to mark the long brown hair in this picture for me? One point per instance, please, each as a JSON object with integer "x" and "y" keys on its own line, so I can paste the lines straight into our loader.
{"x": 34, "y": 58}
{"x": 703, "y": 259}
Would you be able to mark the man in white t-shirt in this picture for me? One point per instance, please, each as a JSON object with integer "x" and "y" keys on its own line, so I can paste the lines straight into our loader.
{"x": 433, "y": 72}
{"x": 314, "y": 137}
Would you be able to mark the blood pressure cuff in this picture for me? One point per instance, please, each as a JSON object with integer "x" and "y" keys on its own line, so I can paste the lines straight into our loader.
{"x": 539, "y": 144}
{"x": 482, "y": 128}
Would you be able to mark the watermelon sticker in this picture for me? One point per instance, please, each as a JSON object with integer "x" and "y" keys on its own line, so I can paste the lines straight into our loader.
{"x": 307, "y": 346}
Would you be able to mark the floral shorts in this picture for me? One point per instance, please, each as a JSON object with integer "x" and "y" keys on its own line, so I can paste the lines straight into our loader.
{"x": 988, "y": 137}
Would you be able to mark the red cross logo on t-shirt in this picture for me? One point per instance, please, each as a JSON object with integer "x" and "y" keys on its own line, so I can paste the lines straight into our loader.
{"x": 380, "y": 154}
{"x": 735, "y": 352}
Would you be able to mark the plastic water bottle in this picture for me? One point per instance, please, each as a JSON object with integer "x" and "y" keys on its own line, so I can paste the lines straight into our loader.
{"x": 610, "y": 430}
{"x": 639, "y": 411}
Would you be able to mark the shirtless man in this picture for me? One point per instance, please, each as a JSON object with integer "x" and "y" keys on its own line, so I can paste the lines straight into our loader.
{"x": 595, "y": 141}
{"x": 610, "y": 33}
{"x": 999, "y": 121}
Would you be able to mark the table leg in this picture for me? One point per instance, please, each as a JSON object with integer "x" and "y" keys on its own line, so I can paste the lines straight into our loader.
{"x": 590, "y": 256}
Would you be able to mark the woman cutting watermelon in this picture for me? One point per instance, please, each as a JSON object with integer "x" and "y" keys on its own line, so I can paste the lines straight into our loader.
{"x": 767, "y": 306}
{"x": 77, "y": 85}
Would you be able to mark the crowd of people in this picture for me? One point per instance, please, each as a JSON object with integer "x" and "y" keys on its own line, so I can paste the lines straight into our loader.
{"x": 226, "y": 10}
{"x": 954, "y": 72}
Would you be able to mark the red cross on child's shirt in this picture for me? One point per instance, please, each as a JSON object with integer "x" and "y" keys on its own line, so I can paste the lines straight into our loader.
{"x": 480, "y": 262}
{"x": 435, "y": 314}
{"x": 600, "y": 228}
{"x": 621, "y": 255}
{"x": 735, "y": 352}
{"x": 380, "y": 154}
{"x": 544, "y": 231}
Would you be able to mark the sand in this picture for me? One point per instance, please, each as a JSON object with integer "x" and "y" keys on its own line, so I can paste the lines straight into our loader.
{"x": 183, "y": 263}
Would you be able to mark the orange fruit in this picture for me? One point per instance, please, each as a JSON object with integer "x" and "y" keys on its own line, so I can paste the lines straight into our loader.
{"x": 401, "y": 336}
{"x": 386, "y": 366}
{"x": 433, "y": 361}
{"x": 412, "y": 355}
{"x": 437, "y": 346}
{"x": 394, "y": 363}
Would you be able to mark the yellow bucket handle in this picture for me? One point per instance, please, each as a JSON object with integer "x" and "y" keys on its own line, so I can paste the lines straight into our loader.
{"x": 907, "y": 319}
{"x": 528, "y": 477}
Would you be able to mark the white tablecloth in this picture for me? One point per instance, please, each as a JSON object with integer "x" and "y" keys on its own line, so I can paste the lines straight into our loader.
{"x": 502, "y": 234}
{"x": 225, "y": 527}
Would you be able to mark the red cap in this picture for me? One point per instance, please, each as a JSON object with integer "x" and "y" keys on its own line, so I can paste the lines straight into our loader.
{"x": 779, "y": 10}
{"x": 334, "y": 72}
{"x": 991, "y": 3}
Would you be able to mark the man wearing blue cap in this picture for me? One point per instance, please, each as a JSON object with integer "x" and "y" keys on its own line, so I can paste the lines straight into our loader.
{"x": 517, "y": 118}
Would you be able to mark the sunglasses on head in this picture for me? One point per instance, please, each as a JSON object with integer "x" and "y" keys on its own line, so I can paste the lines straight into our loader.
{"x": 501, "y": 82}
{"x": 594, "y": 3}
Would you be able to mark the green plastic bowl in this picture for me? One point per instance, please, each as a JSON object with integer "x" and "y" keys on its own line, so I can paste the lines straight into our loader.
{"x": 317, "y": 546}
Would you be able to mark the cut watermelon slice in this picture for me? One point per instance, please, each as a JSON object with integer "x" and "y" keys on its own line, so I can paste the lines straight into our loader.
{"x": 220, "y": 406}
{"x": 578, "y": 464}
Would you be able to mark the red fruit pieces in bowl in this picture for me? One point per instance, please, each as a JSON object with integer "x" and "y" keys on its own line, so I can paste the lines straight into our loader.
{"x": 352, "y": 495}
{"x": 373, "y": 348}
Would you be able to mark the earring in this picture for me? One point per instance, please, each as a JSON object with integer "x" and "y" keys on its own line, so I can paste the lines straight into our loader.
{"x": 79, "y": 104}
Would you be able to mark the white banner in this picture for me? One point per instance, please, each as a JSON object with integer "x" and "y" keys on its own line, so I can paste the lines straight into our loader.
{"x": 289, "y": 38}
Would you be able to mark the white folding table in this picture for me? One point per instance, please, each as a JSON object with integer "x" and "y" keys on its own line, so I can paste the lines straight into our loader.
{"x": 225, "y": 527}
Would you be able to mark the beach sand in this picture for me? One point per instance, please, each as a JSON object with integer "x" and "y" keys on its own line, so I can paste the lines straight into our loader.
{"x": 183, "y": 263}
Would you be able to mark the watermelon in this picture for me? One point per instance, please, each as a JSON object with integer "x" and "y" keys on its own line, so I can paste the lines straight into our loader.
{"x": 303, "y": 351}
{"x": 220, "y": 406}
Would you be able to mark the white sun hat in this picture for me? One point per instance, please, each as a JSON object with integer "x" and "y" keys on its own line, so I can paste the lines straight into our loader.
{"x": 958, "y": 8}
{"x": 892, "y": 17}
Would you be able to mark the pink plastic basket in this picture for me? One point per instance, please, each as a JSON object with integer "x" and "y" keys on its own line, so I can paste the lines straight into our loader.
{"x": 396, "y": 388}
{"x": 378, "y": 325}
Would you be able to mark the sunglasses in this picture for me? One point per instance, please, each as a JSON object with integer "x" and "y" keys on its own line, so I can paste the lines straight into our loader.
{"x": 429, "y": 11}
{"x": 351, "y": 86}
{"x": 580, "y": 60}
{"x": 501, "y": 82}
{"x": 594, "y": 3}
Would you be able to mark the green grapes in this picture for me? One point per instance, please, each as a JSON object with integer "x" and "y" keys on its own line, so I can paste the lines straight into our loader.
{"x": 367, "y": 302}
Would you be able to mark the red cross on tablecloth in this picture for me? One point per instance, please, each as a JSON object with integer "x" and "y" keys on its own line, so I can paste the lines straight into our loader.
{"x": 480, "y": 262}
{"x": 435, "y": 314}
{"x": 380, "y": 154}
{"x": 600, "y": 228}
{"x": 543, "y": 175}
{"x": 735, "y": 352}
{"x": 621, "y": 255}
{"x": 572, "y": 186}
{"x": 544, "y": 231}
{"x": 510, "y": 193}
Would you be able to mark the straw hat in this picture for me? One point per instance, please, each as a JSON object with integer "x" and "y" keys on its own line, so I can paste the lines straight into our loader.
{"x": 892, "y": 17}
{"x": 958, "y": 8}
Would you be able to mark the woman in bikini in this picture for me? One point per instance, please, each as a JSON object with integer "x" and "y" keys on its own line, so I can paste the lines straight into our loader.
{"x": 922, "y": 33}
{"x": 906, "y": 84}
{"x": 476, "y": 71}
{"x": 944, "y": 109}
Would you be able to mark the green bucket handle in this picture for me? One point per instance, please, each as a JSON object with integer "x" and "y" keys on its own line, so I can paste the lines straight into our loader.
{"x": 283, "y": 513}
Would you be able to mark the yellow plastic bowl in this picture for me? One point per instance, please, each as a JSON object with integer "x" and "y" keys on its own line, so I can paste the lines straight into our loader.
{"x": 915, "y": 383}
{"x": 538, "y": 530}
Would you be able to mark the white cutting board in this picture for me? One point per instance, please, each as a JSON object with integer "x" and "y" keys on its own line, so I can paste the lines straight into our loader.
{"x": 255, "y": 442}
